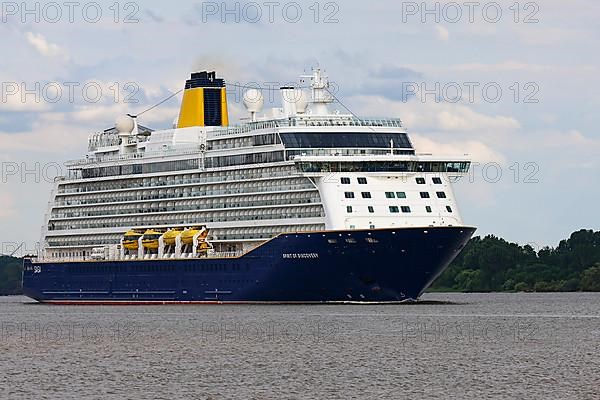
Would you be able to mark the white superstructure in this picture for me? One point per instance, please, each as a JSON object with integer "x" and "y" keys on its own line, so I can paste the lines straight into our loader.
{"x": 301, "y": 167}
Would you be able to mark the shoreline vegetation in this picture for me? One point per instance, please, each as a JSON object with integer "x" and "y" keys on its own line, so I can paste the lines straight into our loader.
{"x": 488, "y": 264}
{"x": 492, "y": 264}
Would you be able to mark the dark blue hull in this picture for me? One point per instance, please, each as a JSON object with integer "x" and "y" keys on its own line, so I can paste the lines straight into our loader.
{"x": 386, "y": 265}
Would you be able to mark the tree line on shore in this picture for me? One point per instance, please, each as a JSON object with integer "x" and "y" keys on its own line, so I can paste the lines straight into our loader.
{"x": 488, "y": 264}
{"x": 492, "y": 264}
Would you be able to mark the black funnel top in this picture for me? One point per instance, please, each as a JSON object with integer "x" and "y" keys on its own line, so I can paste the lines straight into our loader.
{"x": 204, "y": 79}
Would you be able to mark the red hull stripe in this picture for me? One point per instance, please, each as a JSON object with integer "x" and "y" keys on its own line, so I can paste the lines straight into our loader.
{"x": 207, "y": 302}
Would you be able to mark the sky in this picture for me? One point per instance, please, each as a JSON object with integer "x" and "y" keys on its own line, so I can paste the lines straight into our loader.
{"x": 515, "y": 85}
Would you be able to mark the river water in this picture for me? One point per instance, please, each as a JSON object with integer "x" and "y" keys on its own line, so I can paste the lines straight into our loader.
{"x": 452, "y": 346}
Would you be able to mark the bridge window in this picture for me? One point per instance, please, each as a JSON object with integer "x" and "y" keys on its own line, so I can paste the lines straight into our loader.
{"x": 437, "y": 181}
{"x": 366, "y": 195}
{"x": 394, "y": 209}
{"x": 371, "y": 209}
{"x": 349, "y": 195}
{"x": 390, "y": 195}
{"x": 401, "y": 195}
{"x": 424, "y": 195}
{"x": 428, "y": 209}
{"x": 420, "y": 181}
{"x": 441, "y": 195}
{"x": 405, "y": 209}
{"x": 349, "y": 209}
{"x": 345, "y": 181}
{"x": 449, "y": 209}
{"x": 362, "y": 181}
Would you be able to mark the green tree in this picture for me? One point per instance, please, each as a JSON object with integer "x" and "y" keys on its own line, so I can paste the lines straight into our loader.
{"x": 590, "y": 279}
{"x": 10, "y": 275}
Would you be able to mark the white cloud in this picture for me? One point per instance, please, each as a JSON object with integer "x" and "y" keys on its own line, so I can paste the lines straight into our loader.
{"x": 7, "y": 205}
{"x": 478, "y": 151}
{"x": 45, "y": 48}
{"x": 442, "y": 33}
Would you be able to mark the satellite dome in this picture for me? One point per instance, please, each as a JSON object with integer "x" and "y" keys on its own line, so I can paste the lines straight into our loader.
{"x": 125, "y": 124}
{"x": 253, "y": 100}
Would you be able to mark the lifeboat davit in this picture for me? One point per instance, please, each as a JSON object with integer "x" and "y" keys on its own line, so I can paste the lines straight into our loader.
{"x": 187, "y": 237}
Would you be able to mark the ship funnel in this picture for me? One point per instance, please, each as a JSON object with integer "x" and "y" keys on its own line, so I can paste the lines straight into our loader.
{"x": 204, "y": 101}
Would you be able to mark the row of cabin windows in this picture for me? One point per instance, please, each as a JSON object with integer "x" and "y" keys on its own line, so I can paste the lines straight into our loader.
{"x": 396, "y": 209}
{"x": 363, "y": 181}
{"x": 394, "y": 195}
{"x": 346, "y": 181}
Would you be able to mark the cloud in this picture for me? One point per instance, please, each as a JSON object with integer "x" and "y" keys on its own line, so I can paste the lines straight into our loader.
{"x": 42, "y": 46}
{"x": 478, "y": 151}
{"x": 7, "y": 205}
{"x": 436, "y": 116}
{"x": 442, "y": 33}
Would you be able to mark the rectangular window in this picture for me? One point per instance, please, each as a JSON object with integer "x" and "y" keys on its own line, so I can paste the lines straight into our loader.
{"x": 349, "y": 209}
{"x": 394, "y": 209}
{"x": 428, "y": 209}
{"x": 390, "y": 195}
{"x": 401, "y": 195}
{"x": 441, "y": 195}
{"x": 421, "y": 181}
{"x": 405, "y": 209}
{"x": 424, "y": 195}
{"x": 371, "y": 209}
{"x": 362, "y": 181}
{"x": 349, "y": 195}
{"x": 366, "y": 195}
{"x": 437, "y": 181}
{"x": 449, "y": 209}
{"x": 345, "y": 181}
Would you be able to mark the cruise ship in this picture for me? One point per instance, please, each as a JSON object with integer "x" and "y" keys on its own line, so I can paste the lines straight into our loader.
{"x": 301, "y": 203}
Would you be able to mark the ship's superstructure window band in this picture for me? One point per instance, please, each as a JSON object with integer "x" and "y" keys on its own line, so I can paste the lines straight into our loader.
{"x": 383, "y": 166}
{"x": 139, "y": 168}
{"x": 345, "y": 140}
{"x": 190, "y": 178}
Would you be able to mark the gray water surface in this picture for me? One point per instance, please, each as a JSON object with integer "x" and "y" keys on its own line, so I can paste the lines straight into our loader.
{"x": 456, "y": 346}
